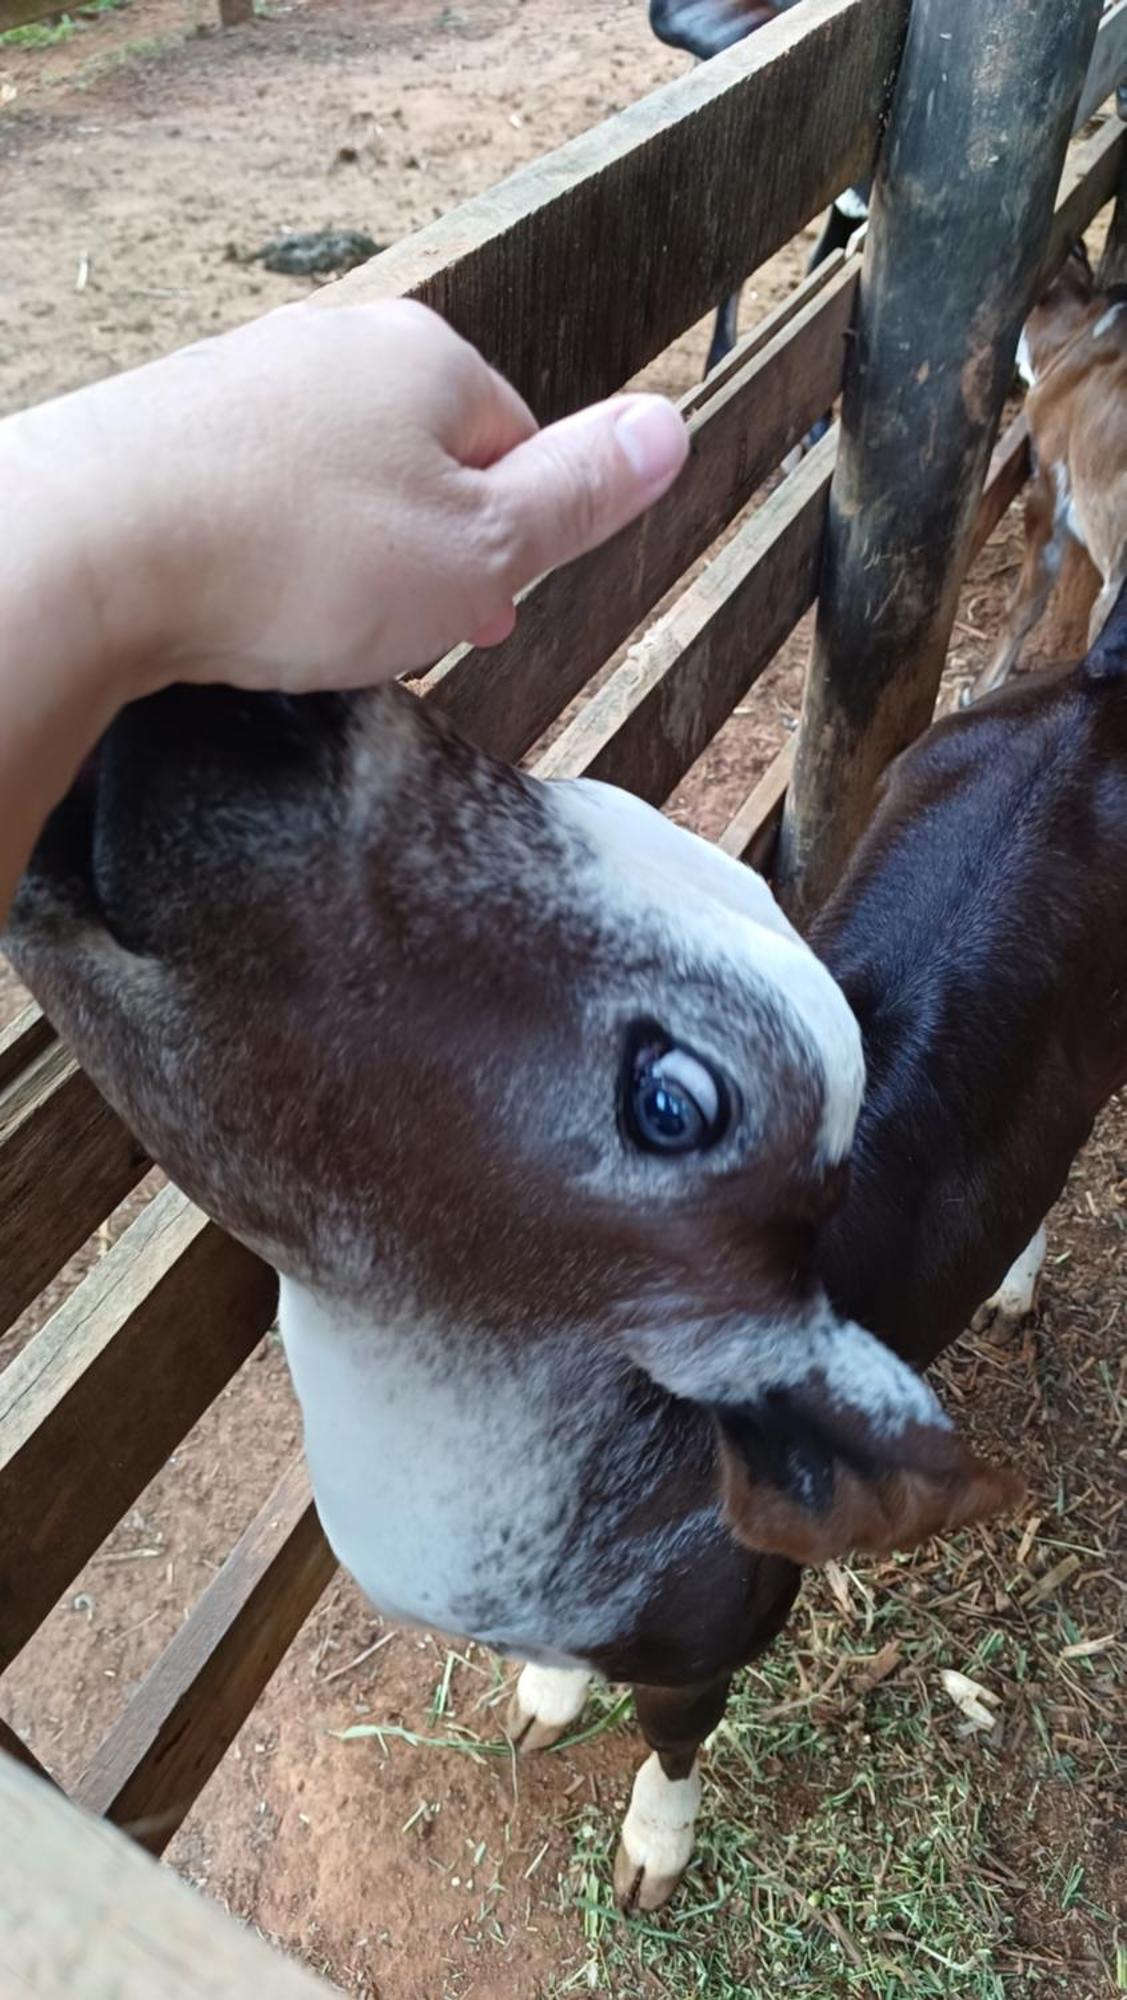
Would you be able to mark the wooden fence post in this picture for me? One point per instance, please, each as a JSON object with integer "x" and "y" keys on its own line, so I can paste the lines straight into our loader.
{"x": 962, "y": 205}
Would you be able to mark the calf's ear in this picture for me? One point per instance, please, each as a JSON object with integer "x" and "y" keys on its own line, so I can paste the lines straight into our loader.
{"x": 857, "y": 1455}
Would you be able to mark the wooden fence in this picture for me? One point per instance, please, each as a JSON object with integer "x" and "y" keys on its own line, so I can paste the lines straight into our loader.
{"x": 571, "y": 276}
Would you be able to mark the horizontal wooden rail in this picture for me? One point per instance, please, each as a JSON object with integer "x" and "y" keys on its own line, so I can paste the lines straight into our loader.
{"x": 764, "y": 396}
{"x": 1108, "y": 65}
{"x": 750, "y": 835}
{"x": 14, "y": 1746}
{"x": 1087, "y": 183}
{"x": 94, "y": 1404}
{"x": 66, "y": 1161}
{"x": 662, "y": 706}
{"x": 583, "y": 266}
{"x": 574, "y": 620}
{"x": 82, "y": 1913}
{"x": 24, "y": 1038}
{"x": 180, "y": 1723}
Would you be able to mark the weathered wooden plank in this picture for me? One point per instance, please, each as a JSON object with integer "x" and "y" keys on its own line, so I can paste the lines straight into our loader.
{"x": 958, "y": 233}
{"x": 91, "y": 1408}
{"x": 85, "y": 1916}
{"x": 189, "y": 1708}
{"x": 582, "y": 267}
{"x": 66, "y": 1160}
{"x": 1108, "y": 65}
{"x": 664, "y": 704}
{"x": 1090, "y": 178}
{"x": 764, "y": 332}
{"x": 752, "y": 832}
{"x": 14, "y": 1746}
{"x": 1113, "y": 262}
{"x": 571, "y": 623}
{"x": 23, "y": 1039}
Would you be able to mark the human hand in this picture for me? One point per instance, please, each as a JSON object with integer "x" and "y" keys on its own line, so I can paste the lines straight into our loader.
{"x": 319, "y": 500}
{"x": 327, "y": 498}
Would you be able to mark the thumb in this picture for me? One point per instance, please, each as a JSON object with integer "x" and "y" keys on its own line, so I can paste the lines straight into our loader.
{"x": 574, "y": 485}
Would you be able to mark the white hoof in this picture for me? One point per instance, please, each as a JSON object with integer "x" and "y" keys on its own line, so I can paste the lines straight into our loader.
{"x": 546, "y": 1701}
{"x": 657, "y": 1837}
{"x": 1016, "y": 1296}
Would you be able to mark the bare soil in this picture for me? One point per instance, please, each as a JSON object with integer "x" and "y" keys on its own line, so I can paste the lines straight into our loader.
{"x": 133, "y": 155}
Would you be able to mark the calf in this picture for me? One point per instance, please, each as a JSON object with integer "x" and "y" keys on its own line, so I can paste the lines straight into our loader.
{"x": 537, "y": 1103}
{"x": 1073, "y": 354}
{"x": 703, "y": 28}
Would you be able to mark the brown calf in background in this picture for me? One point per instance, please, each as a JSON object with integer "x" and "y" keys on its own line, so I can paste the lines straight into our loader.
{"x": 1073, "y": 354}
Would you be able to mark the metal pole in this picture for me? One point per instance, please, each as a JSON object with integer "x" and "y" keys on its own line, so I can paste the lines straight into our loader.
{"x": 979, "y": 124}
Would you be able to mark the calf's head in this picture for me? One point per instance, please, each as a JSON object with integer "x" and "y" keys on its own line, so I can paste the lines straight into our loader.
{"x": 505, "y": 1059}
{"x": 1064, "y": 309}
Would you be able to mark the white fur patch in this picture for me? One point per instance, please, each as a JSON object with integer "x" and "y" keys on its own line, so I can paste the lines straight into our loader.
{"x": 660, "y": 1825}
{"x": 652, "y": 869}
{"x": 431, "y": 1491}
{"x": 1015, "y": 1295}
{"x": 553, "y": 1696}
{"x": 853, "y": 205}
{"x": 1024, "y": 360}
{"x": 1107, "y": 320}
{"x": 744, "y": 1360}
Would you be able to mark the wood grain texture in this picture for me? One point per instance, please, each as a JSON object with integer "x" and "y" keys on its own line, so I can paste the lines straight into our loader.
{"x": 1090, "y": 178}
{"x": 583, "y": 266}
{"x": 85, "y": 1916}
{"x": 752, "y": 832}
{"x": 66, "y": 1160}
{"x": 576, "y": 618}
{"x": 187, "y": 1711}
{"x": 1108, "y": 65}
{"x": 1113, "y": 262}
{"x": 91, "y": 1408}
{"x": 12, "y": 1745}
{"x": 959, "y": 230}
{"x": 21, "y": 1040}
{"x": 659, "y": 709}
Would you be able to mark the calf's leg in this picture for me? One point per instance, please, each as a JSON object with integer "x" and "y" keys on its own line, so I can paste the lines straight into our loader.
{"x": 1016, "y": 1295}
{"x": 1046, "y": 533}
{"x": 545, "y": 1703}
{"x": 657, "y": 1834}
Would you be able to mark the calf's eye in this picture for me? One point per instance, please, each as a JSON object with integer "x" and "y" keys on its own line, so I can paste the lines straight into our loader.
{"x": 673, "y": 1101}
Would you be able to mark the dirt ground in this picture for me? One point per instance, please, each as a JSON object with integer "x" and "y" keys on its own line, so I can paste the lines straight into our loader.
{"x": 133, "y": 154}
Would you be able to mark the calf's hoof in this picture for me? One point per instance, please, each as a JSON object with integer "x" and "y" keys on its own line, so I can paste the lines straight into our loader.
{"x": 638, "y": 1888}
{"x": 545, "y": 1703}
{"x": 1016, "y": 1296}
{"x": 657, "y": 1837}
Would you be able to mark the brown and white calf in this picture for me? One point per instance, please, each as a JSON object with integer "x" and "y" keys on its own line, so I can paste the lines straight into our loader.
{"x": 537, "y": 1104}
{"x": 1073, "y": 355}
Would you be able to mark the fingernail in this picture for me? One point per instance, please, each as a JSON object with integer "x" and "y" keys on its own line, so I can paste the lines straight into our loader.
{"x": 653, "y": 437}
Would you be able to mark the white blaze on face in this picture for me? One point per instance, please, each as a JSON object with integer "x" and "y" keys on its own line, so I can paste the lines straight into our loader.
{"x": 705, "y": 897}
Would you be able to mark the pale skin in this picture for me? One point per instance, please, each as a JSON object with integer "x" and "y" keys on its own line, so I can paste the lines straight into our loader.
{"x": 319, "y": 500}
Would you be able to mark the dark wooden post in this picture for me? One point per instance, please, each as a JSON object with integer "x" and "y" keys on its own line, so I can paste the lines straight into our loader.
{"x": 978, "y": 127}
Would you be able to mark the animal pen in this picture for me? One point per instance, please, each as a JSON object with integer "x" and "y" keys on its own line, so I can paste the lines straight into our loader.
{"x": 571, "y": 277}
